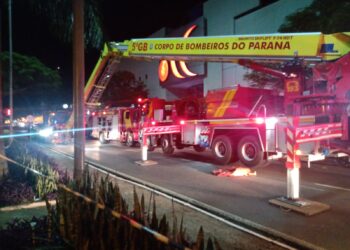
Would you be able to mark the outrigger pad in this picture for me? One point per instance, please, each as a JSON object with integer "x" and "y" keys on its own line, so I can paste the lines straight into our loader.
{"x": 300, "y": 205}
{"x": 146, "y": 163}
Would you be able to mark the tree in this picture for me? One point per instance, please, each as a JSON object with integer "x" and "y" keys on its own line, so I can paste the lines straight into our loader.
{"x": 123, "y": 88}
{"x": 327, "y": 16}
{"x": 35, "y": 84}
{"x": 59, "y": 18}
{"x": 263, "y": 80}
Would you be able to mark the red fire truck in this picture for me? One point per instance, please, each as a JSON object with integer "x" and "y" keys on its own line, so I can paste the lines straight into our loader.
{"x": 244, "y": 123}
{"x": 124, "y": 124}
{"x": 119, "y": 124}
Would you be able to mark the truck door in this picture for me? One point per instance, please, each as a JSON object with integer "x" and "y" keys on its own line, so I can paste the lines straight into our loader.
{"x": 115, "y": 127}
{"x": 127, "y": 120}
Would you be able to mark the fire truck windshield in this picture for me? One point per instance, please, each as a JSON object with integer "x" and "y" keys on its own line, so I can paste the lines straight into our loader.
{"x": 59, "y": 118}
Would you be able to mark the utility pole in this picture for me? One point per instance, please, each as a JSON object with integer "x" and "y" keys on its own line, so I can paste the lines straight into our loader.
{"x": 10, "y": 71}
{"x": 3, "y": 163}
{"x": 78, "y": 88}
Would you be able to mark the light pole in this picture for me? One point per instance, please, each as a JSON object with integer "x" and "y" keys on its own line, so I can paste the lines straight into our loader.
{"x": 78, "y": 88}
{"x": 3, "y": 163}
{"x": 10, "y": 69}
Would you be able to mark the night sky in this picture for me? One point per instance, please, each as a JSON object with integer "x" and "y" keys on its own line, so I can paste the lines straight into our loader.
{"x": 120, "y": 20}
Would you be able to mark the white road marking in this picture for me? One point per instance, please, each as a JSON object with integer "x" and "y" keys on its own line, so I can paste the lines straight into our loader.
{"x": 132, "y": 150}
{"x": 330, "y": 186}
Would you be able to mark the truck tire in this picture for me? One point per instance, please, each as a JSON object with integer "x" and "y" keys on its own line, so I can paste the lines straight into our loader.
{"x": 249, "y": 152}
{"x": 222, "y": 149}
{"x": 102, "y": 138}
{"x": 150, "y": 147}
{"x": 167, "y": 145}
{"x": 198, "y": 148}
{"x": 129, "y": 140}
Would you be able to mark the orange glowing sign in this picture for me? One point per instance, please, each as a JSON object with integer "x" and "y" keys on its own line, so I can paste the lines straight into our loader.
{"x": 174, "y": 69}
{"x": 163, "y": 69}
{"x": 292, "y": 86}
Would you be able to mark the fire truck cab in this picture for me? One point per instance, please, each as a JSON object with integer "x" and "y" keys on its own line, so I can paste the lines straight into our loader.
{"x": 119, "y": 124}
{"x": 124, "y": 124}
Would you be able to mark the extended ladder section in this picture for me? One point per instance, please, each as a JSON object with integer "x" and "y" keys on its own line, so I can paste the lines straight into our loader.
{"x": 100, "y": 85}
{"x": 101, "y": 75}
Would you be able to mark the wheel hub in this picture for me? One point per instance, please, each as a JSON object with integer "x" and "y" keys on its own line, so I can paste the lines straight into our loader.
{"x": 249, "y": 152}
{"x": 220, "y": 150}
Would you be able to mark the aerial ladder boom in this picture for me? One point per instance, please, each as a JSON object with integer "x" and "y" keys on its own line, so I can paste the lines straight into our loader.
{"x": 311, "y": 47}
{"x": 99, "y": 79}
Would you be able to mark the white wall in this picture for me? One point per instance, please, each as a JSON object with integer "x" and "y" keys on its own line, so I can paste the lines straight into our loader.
{"x": 222, "y": 18}
{"x": 219, "y": 15}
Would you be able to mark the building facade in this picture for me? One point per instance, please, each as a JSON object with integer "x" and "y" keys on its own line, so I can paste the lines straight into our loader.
{"x": 220, "y": 17}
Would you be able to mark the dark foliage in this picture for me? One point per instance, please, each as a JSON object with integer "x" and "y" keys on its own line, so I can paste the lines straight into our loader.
{"x": 88, "y": 225}
{"x": 58, "y": 16}
{"x": 21, "y": 185}
{"x": 35, "y": 85}
{"x": 29, "y": 234}
{"x": 122, "y": 88}
{"x": 261, "y": 80}
{"x": 325, "y": 16}
{"x": 13, "y": 192}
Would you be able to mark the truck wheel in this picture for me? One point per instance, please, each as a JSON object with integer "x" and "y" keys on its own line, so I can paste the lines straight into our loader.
{"x": 222, "y": 149}
{"x": 249, "y": 152}
{"x": 167, "y": 146}
{"x": 102, "y": 138}
{"x": 198, "y": 148}
{"x": 129, "y": 139}
{"x": 150, "y": 147}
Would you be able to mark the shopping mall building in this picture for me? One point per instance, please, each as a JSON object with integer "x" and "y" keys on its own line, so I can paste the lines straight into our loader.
{"x": 220, "y": 18}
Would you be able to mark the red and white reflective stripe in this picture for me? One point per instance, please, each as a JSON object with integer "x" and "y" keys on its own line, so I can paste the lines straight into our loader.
{"x": 161, "y": 130}
{"x": 293, "y": 160}
{"x": 318, "y": 132}
{"x": 290, "y": 150}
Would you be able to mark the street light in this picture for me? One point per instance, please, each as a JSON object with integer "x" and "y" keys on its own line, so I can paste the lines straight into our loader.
{"x": 10, "y": 70}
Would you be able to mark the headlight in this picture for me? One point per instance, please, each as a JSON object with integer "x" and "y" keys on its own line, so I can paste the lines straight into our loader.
{"x": 46, "y": 132}
{"x": 21, "y": 124}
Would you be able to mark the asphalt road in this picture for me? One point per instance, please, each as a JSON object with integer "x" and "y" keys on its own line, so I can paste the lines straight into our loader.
{"x": 190, "y": 173}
